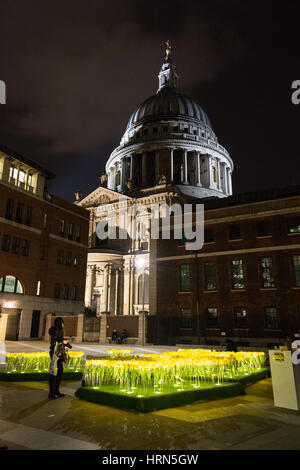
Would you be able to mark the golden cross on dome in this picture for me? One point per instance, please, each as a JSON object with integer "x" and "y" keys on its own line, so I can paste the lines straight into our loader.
{"x": 168, "y": 49}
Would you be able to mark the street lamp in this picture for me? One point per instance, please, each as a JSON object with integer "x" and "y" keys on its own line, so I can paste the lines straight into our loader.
{"x": 140, "y": 262}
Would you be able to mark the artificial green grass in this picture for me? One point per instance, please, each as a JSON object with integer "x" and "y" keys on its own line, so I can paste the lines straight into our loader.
{"x": 249, "y": 379}
{"x": 161, "y": 398}
{"x": 166, "y": 399}
{"x": 34, "y": 376}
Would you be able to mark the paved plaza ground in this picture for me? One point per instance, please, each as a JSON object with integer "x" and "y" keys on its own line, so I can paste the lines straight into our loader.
{"x": 29, "y": 420}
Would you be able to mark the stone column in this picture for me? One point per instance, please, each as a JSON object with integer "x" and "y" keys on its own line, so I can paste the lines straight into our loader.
{"x": 6, "y": 168}
{"x": 47, "y": 326}
{"x": 122, "y": 170}
{"x": 103, "y": 328}
{"x": 171, "y": 165}
{"x": 219, "y": 175}
{"x": 105, "y": 290}
{"x": 126, "y": 299}
{"x": 79, "y": 336}
{"x": 89, "y": 286}
{"x": 144, "y": 169}
{"x": 117, "y": 291}
{"x": 156, "y": 167}
{"x": 143, "y": 324}
{"x": 110, "y": 308}
{"x": 185, "y": 167}
{"x": 112, "y": 177}
{"x": 198, "y": 168}
{"x": 131, "y": 295}
{"x": 230, "y": 181}
{"x": 225, "y": 181}
{"x": 209, "y": 175}
{"x": 131, "y": 168}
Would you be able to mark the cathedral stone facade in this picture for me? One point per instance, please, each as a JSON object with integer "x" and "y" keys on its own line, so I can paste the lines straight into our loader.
{"x": 168, "y": 153}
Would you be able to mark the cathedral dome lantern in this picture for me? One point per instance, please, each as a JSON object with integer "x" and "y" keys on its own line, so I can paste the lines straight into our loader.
{"x": 169, "y": 138}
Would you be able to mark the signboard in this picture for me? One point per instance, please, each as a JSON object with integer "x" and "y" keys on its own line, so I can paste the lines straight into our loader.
{"x": 10, "y": 311}
{"x": 278, "y": 356}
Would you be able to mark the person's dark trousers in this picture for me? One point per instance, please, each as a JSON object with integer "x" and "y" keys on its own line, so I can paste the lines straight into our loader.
{"x": 55, "y": 380}
{"x": 52, "y": 380}
{"x": 60, "y": 369}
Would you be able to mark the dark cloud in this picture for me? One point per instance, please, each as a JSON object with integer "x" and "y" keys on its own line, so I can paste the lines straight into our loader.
{"x": 76, "y": 70}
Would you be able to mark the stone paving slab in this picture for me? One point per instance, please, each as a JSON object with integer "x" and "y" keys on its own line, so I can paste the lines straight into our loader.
{"x": 30, "y": 420}
{"x": 37, "y": 439}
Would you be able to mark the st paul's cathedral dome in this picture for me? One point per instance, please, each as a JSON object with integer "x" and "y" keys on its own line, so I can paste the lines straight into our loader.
{"x": 169, "y": 141}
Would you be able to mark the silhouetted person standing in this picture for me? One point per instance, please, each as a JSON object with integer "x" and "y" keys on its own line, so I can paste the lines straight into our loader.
{"x": 58, "y": 357}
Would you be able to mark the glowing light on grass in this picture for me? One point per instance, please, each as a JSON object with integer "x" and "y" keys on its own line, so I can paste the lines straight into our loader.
{"x": 39, "y": 361}
{"x": 153, "y": 371}
{"x": 119, "y": 353}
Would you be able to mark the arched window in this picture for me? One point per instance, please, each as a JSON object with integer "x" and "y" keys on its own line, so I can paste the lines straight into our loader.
{"x": 146, "y": 289}
{"x": 11, "y": 284}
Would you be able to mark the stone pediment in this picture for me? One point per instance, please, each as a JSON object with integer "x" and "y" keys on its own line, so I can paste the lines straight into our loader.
{"x": 101, "y": 196}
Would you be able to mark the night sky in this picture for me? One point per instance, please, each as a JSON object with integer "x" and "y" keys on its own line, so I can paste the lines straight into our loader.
{"x": 76, "y": 70}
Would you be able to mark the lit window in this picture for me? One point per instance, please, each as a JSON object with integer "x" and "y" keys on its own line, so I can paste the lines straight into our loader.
{"x": 240, "y": 317}
{"x": 294, "y": 225}
{"x": 29, "y": 180}
{"x": 38, "y": 288}
{"x": 22, "y": 176}
{"x": 267, "y": 272}
{"x": 11, "y": 284}
{"x": 75, "y": 261}
{"x": 13, "y": 172}
{"x": 238, "y": 274}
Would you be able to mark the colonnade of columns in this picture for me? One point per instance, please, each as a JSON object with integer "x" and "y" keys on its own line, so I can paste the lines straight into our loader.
{"x": 171, "y": 165}
{"x": 117, "y": 289}
{"x": 108, "y": 292}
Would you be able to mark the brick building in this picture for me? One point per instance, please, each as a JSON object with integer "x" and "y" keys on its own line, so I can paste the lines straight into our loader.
{"x": 244, "y": 283}
{"x": 43, "y": 250}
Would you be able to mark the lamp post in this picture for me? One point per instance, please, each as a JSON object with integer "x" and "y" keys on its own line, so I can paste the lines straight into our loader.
{"x": 141, "y": 264}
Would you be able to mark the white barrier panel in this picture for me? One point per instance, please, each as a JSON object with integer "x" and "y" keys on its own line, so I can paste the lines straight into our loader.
{"x": 285, "y": 380}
